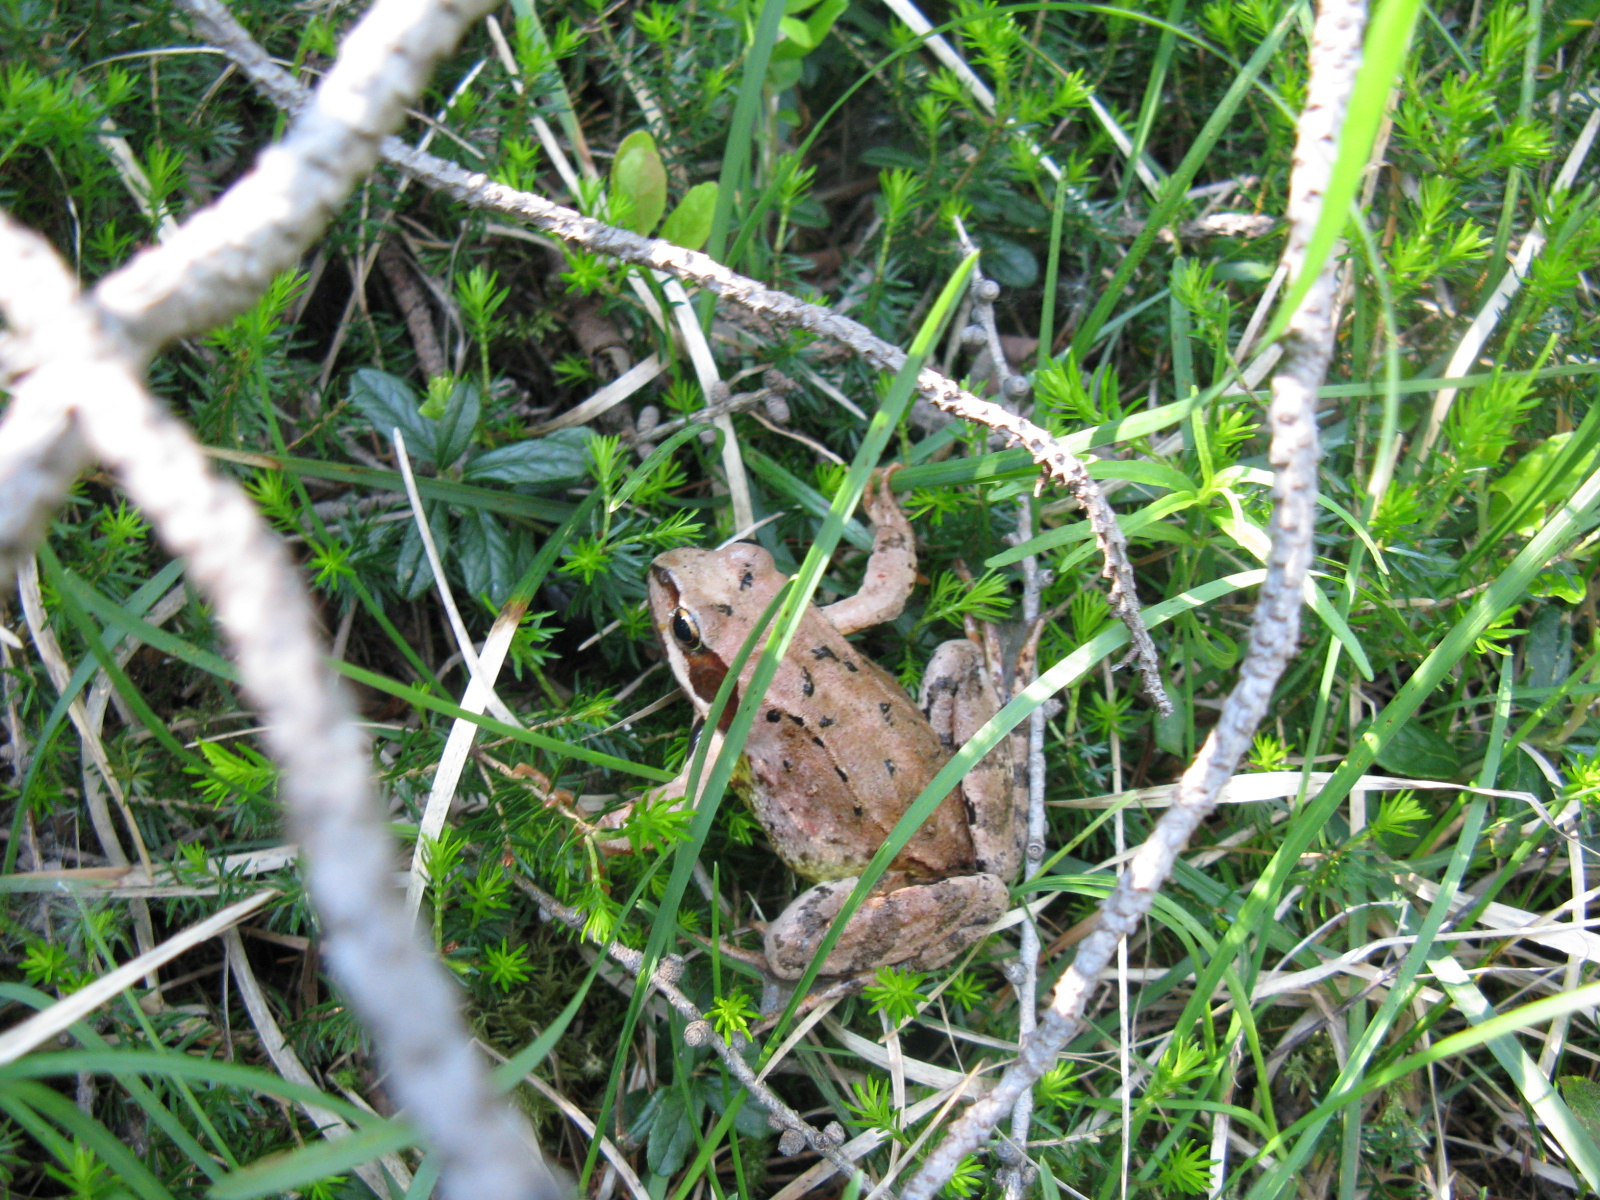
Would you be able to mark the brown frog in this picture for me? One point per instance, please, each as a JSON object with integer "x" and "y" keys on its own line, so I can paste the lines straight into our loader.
{"x": 838, "y": 752}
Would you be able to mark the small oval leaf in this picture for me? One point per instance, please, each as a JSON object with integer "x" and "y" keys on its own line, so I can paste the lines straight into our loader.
{"x": 638, "y": 178}
{"x": 388, "y": 402}
{"x": 689, "y": 225}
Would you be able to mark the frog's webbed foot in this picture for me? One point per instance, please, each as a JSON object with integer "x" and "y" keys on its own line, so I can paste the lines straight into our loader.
{"x": 918, "y": 927}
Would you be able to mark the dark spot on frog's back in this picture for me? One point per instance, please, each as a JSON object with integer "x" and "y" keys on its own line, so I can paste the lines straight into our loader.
{"x": 808, "y": 686}
{"x": 821, "y": 652}
{"x": 774, "y": 715}
{"x": 725, "y": 609}
{"x": 800, "y": 721}
{"x": 747, "y": 581}
{"x": 787, "y": 765}
{"x": 825, "y": 722}
{"x": 888, "y": 765}
{"x": 887, "y": 710}
{"x": 816, "y": 741}
{"x": 839, "y": 771}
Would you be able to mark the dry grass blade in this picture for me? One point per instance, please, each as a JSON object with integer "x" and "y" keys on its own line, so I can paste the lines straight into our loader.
{"x": 45, "y": 1024}
{"x": 287, "y": 1064}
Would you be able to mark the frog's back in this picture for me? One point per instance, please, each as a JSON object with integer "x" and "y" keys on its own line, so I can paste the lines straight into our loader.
{"x": 838, "y": 750}
{"x": 838, "y": 754}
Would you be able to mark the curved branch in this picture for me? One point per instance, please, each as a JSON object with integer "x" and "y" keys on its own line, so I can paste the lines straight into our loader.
{"x": 1292, "y": 417}
{"x": 222, "y": 259}
{"x": 74, "y": 368}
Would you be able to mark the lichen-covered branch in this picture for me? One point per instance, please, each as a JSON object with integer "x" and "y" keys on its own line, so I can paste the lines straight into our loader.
{"x": 1335, "y": 56}
{"x": 74, "y": 368}
{"x": 596, "y": 237}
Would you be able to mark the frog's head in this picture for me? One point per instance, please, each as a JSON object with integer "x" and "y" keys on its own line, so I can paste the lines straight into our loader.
{"x": 704, "y": 603}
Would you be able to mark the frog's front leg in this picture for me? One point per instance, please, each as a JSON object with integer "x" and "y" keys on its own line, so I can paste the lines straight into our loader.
{"x": 891, "y": 570}
{"x": 919, "y": 926}
{"x": 674, "y": 793}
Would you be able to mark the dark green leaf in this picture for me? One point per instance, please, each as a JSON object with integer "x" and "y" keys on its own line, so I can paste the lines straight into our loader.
{"x": 455, "y": 428}
{"x": 388, "y": 403}
{"x": 751, "y": 1120}
{"x": 483, "y": 551}
{"x": 1008, "y": 263}
{"x": 671, "y": 1135}
{"x": 281, "y": 1172}
{"x": 1583, "y": 1098}
{"x": 558, "y": 458}
{"x": 1417, "y": 751}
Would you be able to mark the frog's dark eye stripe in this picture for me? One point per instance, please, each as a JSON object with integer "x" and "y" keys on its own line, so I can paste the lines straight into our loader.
{"x": 684, "y": 629}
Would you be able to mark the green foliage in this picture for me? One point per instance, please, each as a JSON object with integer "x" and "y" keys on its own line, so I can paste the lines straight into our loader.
{"x": 873, "y": 1105}
{"x": 954, "y": 599}
{"x": 731, "y": 1015}
{"x": 823, "y": 150}
{"x": 894, "y": 993}
{"x": 638, "y": 184}
{"x": 1187, "y": 1169}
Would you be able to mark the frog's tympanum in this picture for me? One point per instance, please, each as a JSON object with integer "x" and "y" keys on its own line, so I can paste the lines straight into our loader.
{"x": 838, "y": 752}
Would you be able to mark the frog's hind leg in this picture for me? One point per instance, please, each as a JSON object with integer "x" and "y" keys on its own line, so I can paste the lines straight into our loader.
{"x": 920, "y": 927}
{"x": 958, "y": 698}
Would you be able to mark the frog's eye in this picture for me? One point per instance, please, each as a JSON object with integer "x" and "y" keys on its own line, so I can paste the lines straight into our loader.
{"x": 684, "y": 628}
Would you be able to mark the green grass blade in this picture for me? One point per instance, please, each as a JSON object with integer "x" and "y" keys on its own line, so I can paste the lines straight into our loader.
{"x": 461, "y": 495}
{"x": 1383, "y": 51}
{"x": 1523, "y": 1072}
{"x": 552, "y": 745}
{"x": 313, "y": 1161}
{"x": 736, "y": 153}
{"x": 1172, "y": 195}
{"x": 803, "y": 494}
{"x": 1506, "y": 589}
{"x": 138, "y": 604}
{"x": 20, "y": 1096}
{"x": 166, "y": 1065}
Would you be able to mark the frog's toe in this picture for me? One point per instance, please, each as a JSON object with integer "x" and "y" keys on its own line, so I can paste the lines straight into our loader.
{"x": 921, "y": 926}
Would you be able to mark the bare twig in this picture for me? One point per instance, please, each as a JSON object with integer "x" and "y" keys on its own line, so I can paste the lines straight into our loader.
{"x": 595, "y": 237}
{"x": 413, "y": 307}
{"x": 795, "y": 1129}
{"x": 1335, "y": 55}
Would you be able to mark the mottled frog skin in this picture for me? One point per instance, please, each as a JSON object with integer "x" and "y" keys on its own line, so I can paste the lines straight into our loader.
{"x": 838, "y": 752}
